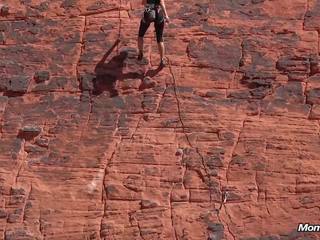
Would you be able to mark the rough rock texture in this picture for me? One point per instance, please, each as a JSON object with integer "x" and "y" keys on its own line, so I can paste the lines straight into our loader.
{"x": 224, "y": 144}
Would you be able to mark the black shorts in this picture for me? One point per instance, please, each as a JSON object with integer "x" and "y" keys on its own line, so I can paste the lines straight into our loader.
{"x": 158, "y": 25}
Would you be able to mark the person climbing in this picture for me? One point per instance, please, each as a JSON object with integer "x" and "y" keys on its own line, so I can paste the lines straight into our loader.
{"x": 155, "y": 11}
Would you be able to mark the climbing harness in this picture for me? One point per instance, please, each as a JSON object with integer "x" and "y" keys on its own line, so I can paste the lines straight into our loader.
{"x": 150, "y": 14}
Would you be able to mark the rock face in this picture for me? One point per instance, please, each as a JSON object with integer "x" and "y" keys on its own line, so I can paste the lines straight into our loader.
{"x": 221, "y": 144}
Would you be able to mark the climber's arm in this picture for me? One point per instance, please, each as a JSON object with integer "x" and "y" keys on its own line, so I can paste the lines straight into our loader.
{"x": 163, "y": 7}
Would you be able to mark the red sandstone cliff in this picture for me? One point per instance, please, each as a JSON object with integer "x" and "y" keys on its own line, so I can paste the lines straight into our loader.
{"x": 222, "y": 145}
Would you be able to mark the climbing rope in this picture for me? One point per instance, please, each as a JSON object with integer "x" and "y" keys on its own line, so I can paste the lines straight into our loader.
{"x": 224, "y": 194}
{"x": 119, "y": 32}
{"x": 178, "y": 102}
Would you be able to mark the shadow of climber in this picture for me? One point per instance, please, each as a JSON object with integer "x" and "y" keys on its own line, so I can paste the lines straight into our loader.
{"x": 108, "y": 73}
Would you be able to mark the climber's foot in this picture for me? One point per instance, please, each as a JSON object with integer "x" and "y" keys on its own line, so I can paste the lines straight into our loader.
{"x": 163, "y": 63}
{"x": 140, "y": 56}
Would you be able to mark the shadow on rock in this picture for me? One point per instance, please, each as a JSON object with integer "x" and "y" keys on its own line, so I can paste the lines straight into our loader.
{"x": 108, "y": 73}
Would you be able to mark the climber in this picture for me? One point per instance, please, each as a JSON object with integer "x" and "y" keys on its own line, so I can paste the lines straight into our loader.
{"x": 155, "y": 11}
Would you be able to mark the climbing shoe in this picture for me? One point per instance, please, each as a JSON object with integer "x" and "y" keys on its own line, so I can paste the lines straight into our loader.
{"x": 140, "y": 56}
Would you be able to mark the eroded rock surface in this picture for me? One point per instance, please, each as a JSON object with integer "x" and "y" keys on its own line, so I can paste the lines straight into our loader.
{"x": 223, "y": 144}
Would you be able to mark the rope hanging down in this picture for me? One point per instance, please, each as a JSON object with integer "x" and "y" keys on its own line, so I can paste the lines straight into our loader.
{"x": 119, "y": 32}
{"x": 224, "y": 194}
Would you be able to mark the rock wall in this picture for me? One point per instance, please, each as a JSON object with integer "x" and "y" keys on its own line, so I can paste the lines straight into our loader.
{"x": 221, "y": 144}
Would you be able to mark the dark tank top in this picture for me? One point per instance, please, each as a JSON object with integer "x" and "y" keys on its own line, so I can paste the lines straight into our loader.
{"x": 153, "y": 2}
